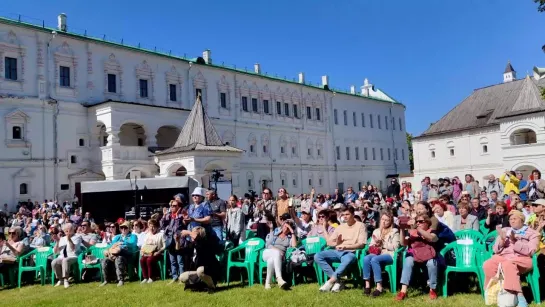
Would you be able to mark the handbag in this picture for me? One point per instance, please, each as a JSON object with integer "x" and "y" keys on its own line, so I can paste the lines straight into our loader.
{"x": 148, "y": 249}
{"x": 422, "y": 252}
{"x": 495, "y": 294}
{"x": 375, "y": 250}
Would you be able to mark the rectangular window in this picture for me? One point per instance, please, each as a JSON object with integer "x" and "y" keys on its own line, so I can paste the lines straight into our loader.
{"x": 400, "y": 126}
{"x": 347, "y": 153}
{"x": 363, "y": 120}
{"x": 389, "y": 154}
{"x": 254, "y": 105}
{"x": 403, "y": 154}
{"x": 345, "y": 116}
{"x": 395, "y": 153}
{"x": 65, "y": 187}
{"x": 17, "y": 133}
{"x": 365, "y": 153}
{"x": 112, "y": 86}
{"x": 335, "y": 117}
{"x": 382, "y": 154}
{"x": 287, "y": 109}
{"x": 354, "y": 119}
{"x": 338, "y": 152}
{"x": 278, "y": 108}
{"x": 386, "y": 122}
{"x": 198, "y": 92}
{"x": 378, "y": 122}
{"x": 10, "y": 65}
{"x": 318, "y": 115}
{"x": 393, "y": 123}
{"x": 357, "y": 153}
{"x": 371, "y": 121}
{"x": 223, "y": 100}
{"x": 172, "y": 88}
{"x": 143, "y": 88}
{"x": 266, "y": 106}
{"x": 374, "y": 155}
{"x": 295, "y": 111}
{"x": 244, "y": 103}
{"x": 309, "y": 113}
{"x": 64, "y": 76}
{"x": 319, "y": 152}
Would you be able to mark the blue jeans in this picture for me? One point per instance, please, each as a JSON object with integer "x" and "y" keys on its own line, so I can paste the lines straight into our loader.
{"x": 325, "y": 258}
{"x": 176, "y": 263}
{"x": 408, "y": 265}
{"x": 218, "y": 230}
{"x": 375, "y": 263}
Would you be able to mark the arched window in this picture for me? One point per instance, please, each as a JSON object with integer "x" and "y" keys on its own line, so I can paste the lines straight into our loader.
{"x": 73, "y": 159}
{"x": 81, "y": 142}
{"x": 523, "y": 136}
{"x": 485, "y": 148}
{"x": 432, "y": 154}
{"x": 23, "y": 189}
{"x": 180, "y": 172}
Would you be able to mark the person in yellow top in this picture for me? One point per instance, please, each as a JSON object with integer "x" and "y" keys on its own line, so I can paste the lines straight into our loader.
{"x": 511, "y": 183}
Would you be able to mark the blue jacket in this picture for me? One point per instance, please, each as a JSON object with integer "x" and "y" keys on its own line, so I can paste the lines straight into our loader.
{"x": 127, "y": 242}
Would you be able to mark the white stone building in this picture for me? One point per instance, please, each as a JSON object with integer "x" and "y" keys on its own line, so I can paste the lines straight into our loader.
{"x": 496, "y": 128}
{"x": 76, "y": 109}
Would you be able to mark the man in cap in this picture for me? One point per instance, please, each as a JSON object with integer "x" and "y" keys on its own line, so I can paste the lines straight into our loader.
{"x": 198, "y": 213}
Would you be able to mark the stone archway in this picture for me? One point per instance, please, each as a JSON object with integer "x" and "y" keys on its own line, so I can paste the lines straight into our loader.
{"x": 166, "y": 136}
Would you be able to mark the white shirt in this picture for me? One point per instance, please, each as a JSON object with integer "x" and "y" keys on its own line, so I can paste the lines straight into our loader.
{"x": 141, "y": 239}
{"x": 63, "y": 243}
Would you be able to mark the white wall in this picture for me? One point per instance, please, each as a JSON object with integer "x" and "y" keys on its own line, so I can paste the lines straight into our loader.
{"x": 91, "y": 61}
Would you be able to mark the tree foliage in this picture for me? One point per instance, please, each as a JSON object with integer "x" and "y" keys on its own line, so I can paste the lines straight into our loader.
{"x": 410, "y": 145}
{"x": 540, "y": 5}
{"x": 542, "y": 89}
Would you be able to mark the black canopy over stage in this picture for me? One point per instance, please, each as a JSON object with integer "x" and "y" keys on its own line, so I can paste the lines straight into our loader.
{"x": 112, "y": 199}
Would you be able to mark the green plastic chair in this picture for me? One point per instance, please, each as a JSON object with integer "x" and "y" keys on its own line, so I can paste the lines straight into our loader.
{"x": 355, "y": 269}
{"x": 312, "y": 246}
{"x": 533, "y": 280}
{"x": 391, "y": 269}
{"x": 482, "y": 227}
{"x": 481, "y": 256}
{"x": 469, "y": 234}
{"x": 97, "y": 251}
{"x": 489, "y": 239}
{"x": 263, "y": 265}
{"x": 250, "y": 234}
{"x": 465, "y": 251}
{"x": 74, "y": 268}
{"x": 252, "y": 248}
{"x": 40, "y": 263}
{"x": 161, "y": 263}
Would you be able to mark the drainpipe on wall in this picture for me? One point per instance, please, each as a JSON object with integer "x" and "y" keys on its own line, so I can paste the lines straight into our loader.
{"x": 55, "y": 148}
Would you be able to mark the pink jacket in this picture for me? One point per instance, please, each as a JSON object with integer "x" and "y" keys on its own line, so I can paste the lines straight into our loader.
{"x": 526, "y": 244}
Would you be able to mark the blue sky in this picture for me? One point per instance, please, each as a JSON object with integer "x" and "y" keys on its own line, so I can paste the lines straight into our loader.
{"x": 429, "y": 54}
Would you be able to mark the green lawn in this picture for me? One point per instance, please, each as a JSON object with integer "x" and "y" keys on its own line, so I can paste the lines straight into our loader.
{"x": 161, "y": 294}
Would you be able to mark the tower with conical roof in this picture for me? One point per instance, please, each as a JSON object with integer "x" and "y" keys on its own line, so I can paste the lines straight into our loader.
{"x": 509, "y": 74}
{"x": 199, "y": 150}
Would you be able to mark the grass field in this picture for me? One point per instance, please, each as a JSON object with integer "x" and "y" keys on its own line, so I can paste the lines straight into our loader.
{"x": 161, "y": 294}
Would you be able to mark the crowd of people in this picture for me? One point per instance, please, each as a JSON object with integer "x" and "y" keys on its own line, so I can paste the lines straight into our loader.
{"x": 190, "y": 233}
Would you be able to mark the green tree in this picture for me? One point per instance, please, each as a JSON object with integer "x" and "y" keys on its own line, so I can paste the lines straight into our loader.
{"x": 410, "y": 145}
{"x": 540, "y": 5}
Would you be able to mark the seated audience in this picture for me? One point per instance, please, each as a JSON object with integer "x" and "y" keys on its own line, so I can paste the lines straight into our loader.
{"x": 346, "y": 239}
{"x": 138, "y": 231}
{"x": 152, "y": 251}
{"x": 498, "y": 219}
{"x": 477, "y": 210}
{"x": 514, "y": 248}
{"x": 119, "y": 254}
{"x": 276, "y": 246}
{"x": 10, "y": 249}
{"x": 464, "y": 220}
{"x": 67, "y": 248}
{"x": 420, "y": 244}
{"x": 442, "y": 214}
{"x": 384, "y": 243}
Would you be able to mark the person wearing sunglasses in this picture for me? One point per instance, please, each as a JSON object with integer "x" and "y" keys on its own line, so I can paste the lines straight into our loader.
{"x": 11, "y": 248}
{"x": 138, "y": 231}
{"x": 421, "y": 253}
{"x": 120, "y": 252}
{"x": 198, "y": 213}
{"x": 111, "y": 231}
{"x": 172, "y": 223}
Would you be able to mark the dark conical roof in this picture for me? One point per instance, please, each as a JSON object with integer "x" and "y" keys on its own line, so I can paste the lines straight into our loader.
{"x": 198, "y": 133}
{"x": 509, "y": 68}
{"x": 198, "y": 129}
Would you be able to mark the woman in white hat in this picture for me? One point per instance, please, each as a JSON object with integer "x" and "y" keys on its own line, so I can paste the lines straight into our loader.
{"x": 199, "y": 211}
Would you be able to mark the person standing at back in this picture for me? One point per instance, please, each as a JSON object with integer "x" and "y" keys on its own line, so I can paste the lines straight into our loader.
{"x": 217, "y": 213}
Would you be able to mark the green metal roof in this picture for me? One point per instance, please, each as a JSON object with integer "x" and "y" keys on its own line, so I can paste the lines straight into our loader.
{"x": 104, "y": 40}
